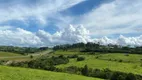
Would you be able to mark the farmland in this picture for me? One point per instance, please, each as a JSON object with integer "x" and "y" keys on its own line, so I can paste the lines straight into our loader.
{"x": 112, "y": 61}
{"x": 15, "y": 73}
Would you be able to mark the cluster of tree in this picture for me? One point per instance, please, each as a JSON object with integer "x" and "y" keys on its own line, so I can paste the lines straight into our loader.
{"x": 21, "y": 50}
{"x": 104, "y": 74}
{"x": 96, "y": 47}
{"x": 78, "y": 58}
{"x": 45, "y": 63}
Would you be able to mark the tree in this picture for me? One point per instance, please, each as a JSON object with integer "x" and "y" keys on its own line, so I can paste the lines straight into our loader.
{"x": 80, "y": 58}
{"x": 130, "y": 76}
{"x": 85, "y": 70}
{"x": 31, "y": 56}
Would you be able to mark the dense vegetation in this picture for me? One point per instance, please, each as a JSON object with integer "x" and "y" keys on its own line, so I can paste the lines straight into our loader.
{"x": 93, "y": 47}
{"x": 104, "y": 74}
{"x": 45, "y": 63}
{"x": 49, "y": 63}
{"x": 21, "y": 50}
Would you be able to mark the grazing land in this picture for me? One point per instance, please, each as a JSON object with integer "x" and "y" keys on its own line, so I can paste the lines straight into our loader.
{"x": 114, "y": 61}
{"x": 15, "y": 73}
{"x": 76, "y": 62}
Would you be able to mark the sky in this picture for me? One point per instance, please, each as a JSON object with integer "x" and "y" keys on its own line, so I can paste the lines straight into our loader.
{"x": 35, "y": 23}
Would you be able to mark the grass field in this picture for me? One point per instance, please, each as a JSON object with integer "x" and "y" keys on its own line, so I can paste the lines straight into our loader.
{"x": 19, "y": 57}
{"x": 60, "y": 52}
{"x": 102, "y": 62}
{"x": 6, "y": 54}
{"x": 14, "y": 73}
{"x": 131, "y": 58}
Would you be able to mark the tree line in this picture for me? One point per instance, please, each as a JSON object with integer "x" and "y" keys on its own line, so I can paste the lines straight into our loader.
{"x": 96, "y": 47}
{"x": 21, "y": 50}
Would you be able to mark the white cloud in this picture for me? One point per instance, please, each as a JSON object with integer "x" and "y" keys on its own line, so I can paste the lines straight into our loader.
{"x": 105, "y": 41}
{"x": 41, "y": 10}
{"x": 72, "y": 34}
{"x": 67, "y": 36}
{"x": 121, "y": 40}
{"x": 19, "y": 37}
{"x": 116, "y": 17}
{"x": 133, "y": 41}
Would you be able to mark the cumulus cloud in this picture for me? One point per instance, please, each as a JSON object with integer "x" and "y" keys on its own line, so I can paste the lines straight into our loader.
{"x": 40, "y": 10}
{"x": 72, "y": 34}
{"x": 132, "y": 41}
{"x": 18, "y": 37}
{"x": 21, "y": 37}
{"x": 116, "y": 17}
{"x": 121, "y": 40}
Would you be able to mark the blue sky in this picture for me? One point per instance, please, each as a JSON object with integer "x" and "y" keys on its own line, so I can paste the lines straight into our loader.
{"x": 48, "y": 20}
{"x": 33, "y": 25}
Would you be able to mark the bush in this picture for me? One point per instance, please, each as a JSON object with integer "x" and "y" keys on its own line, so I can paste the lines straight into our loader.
{"x": 120, "y": 60}
{"x": 131, "y": 76}
{"x": 73, "y": 56}
{"x": 97, "y": 57}
{"x": 109, "y": 59}
{"x": 31, "y": 56}
{"x": 80, "y": 58}
{"x": 85, "y": 70}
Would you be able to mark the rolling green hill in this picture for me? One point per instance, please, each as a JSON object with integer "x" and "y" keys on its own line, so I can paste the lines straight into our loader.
{"x": 113, "y": 61}
{"x": 20, "y": 57}
{"x": 14, "y": 73}
{"x": 6, "y": 54}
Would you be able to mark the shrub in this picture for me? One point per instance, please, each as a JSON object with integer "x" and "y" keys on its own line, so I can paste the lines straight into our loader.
{"x": 31, "y": 56}
{"x": 131, "y": 76}
{"x": 80, "y": 58}
{"x": 73, "y": 56}
{"x": 97, "y": 57}
{"x": 120, "y": 60}
{"x": 109, "y": 59}
{"x": 85, "y": 70}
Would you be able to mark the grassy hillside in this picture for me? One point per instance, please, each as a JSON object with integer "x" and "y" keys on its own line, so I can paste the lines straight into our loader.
{"x": 130, "y": 58}
{"x": 14, "y": 73}
{"x": 114, "y": 61}
{"x": 19, "y": 57}
{"x": 6, "y": 54}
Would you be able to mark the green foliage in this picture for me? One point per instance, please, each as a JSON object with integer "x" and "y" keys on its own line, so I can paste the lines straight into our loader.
{"x": 85, "y": 70}
{"x": 15, "y": 73}
{"x": 131, "y": 76}
{"x": 104, "y": 74}
{"x": 93, "y": 47}
{"x": 31, "y": 56}
{"x": 21, "y": 50}
{"x": 46, "y": 63}
{"x": 73, "y": 56}
{"x": 103, "y": 62}
{"x": 80, "y": 58}
{"x": 120, "y": 60}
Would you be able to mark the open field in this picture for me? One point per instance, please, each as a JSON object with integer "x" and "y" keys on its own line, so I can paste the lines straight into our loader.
{"x": 129, "y": 64}
{"x": 6, "y": 54}
{"x": 19, "y": 57}
{"x": 60, "y": 52}
{"x": 130, "y": 58}
{"x": 14, "y": 73}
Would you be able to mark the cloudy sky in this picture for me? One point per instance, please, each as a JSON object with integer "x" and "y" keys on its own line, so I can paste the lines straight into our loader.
{"x": 53, "y": 22}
